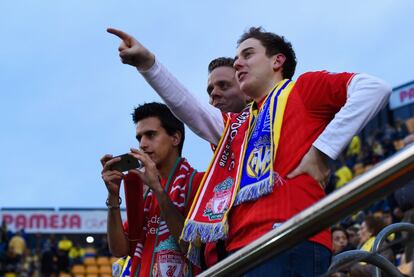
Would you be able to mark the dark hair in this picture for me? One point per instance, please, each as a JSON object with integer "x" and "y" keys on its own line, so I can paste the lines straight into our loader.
{"x": 374, "y": 224}
{"x": 274, "y": 44}
{"x": 219, "y": 62}
{"x": 340, "y": 228}
{"x": 168, "y": 121}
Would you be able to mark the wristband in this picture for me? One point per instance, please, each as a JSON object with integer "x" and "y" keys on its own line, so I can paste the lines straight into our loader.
{"x": 111, "y": 207}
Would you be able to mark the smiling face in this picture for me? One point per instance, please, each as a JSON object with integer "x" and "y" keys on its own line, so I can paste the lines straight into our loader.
{"x": 256, "y": 72}
{"x": 223, "y": 90}
{"x": 156, "y": 142}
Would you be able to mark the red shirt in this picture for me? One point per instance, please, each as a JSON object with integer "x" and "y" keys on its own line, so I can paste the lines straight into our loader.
{"x": 312, "y": 104}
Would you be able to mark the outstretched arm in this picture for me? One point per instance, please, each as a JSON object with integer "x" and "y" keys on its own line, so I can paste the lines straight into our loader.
{"x": 203, "y": 119}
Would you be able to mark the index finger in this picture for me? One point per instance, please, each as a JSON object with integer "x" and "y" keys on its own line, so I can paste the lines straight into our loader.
{"x": 122, "y": 35}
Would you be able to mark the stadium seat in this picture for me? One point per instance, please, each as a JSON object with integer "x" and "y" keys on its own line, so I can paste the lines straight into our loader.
{"x": 78, "y": 269}
{"x": 92, "y": 269}
{"x": 63, "y": 274}
{"x": 90, "y": 252}
{"x": 105, "y": 269}
{"x": 89, "y": 261}
{"x": 102, "y": 260}
{"x": 410, "y": 124}
{"x": 92, "y": 275}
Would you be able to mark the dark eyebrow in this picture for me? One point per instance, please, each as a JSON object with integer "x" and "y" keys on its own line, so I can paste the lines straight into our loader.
{"x": 243, "y": 51}
{"x": 146, "y": 133}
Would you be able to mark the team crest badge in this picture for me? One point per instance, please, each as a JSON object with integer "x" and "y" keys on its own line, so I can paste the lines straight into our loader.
{"x": 170, "y": 264}
{"x": 259, "y": 159}
{"x": 219, "y": 203}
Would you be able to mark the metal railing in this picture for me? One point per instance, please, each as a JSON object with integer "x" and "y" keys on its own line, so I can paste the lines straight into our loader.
{"x": 382, "y": 179}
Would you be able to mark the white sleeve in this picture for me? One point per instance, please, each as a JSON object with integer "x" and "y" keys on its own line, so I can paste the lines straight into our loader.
{"x": 203, "y": 119}
{"x": 366, "y": 96}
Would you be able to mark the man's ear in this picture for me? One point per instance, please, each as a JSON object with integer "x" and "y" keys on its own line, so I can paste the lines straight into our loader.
{"x": 278, "y": 61}
{"x": 176, "y": 138}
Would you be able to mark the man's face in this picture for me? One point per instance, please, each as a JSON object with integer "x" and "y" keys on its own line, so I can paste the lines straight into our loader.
{"x": 224, "y": 91}
{"x": 155, "y": 141}
{"x": 254, "y": 69}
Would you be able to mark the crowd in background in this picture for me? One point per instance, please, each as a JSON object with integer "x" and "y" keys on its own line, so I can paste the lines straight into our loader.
{"x": 41, "y": 254}
{"x": 359, "y": 231}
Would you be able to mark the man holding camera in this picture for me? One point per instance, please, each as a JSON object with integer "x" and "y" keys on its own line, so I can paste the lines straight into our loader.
{"x": 172, "y": 185}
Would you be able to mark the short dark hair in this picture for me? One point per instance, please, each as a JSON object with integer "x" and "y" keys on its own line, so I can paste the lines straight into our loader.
{"x": 168, "y": 121}
{"x": 374, "y": 224}
{"x": 219, "y": 62}
{"x": 340, "y": 228}
{"x": 274, "y": 44}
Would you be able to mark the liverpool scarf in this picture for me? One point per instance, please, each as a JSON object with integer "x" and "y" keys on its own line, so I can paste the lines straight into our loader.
{"x": 241, "y": 169}
{"x": 161, "y": 247}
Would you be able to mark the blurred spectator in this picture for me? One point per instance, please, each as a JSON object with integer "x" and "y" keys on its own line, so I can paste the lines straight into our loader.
{"x": 401, "y": 130}
{"x": 370, "y": 227}
{"x": 76, "y": 254}
{"x": 64, "y": 247}
{"x": 353, "y": 152}
{"x": 343, "y": 175}
{"x": 353, "y": 238}
{"x": 377, "y": 150}
{"x": 17, "y": 245}
{"x": 340, "y": 240}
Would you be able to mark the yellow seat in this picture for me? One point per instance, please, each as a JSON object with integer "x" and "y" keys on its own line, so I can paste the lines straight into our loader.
{"x": 92, "y": 269}
{"x": 90, "y": 252}
{"x": 78, "y": 269}
{"x": 105, "y": 269}
{"x": 103, "y": 261}
{"x": 89, "y": 261}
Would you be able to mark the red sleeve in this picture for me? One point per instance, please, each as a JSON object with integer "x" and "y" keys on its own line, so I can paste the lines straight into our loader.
{"x": 323, "y": 91}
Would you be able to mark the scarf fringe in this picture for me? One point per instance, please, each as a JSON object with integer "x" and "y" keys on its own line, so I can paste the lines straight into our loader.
{"x": 206, "y": 232}
{"x": 194, "y": 254}
{"x": 255, "y": 191}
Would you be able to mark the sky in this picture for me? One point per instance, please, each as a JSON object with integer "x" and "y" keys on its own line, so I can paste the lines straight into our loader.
{"x": 66, "y": 99}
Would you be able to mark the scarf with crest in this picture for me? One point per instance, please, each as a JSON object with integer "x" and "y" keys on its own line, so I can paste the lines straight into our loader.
{"x": 165, "y": 255}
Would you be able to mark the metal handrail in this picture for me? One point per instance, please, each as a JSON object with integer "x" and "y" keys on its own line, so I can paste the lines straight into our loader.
{"x": 382, "y": 236}
{"x": 382, "y": 179}
{"x": 353, "y": 256}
